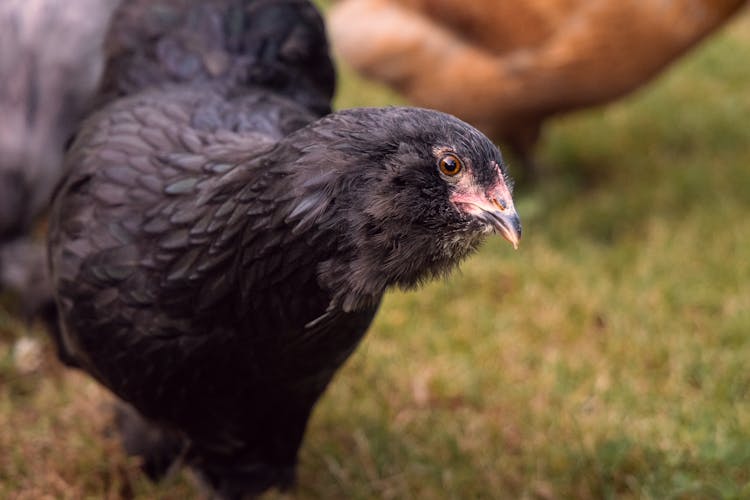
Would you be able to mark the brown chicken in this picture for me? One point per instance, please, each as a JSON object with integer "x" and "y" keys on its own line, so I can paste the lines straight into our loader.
{"x": 505, "y": 65}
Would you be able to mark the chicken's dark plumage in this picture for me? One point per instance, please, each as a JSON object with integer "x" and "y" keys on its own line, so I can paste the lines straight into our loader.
{"x": 278, "y": 44}
{"x": 219, "y": 249}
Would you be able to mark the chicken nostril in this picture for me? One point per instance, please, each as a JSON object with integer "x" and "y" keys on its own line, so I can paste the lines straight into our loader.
{"x": 499, "y": 204}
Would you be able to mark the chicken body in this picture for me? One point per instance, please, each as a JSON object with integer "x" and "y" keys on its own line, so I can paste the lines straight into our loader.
{"x": 506, "y": 66}
{"x": 220, "y": 247}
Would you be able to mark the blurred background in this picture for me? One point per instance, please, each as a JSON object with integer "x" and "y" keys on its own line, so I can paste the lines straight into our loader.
{"x": 606, "y": 358}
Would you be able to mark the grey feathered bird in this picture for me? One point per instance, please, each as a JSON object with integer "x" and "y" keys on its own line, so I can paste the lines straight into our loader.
{"x": 51, "y": 59}
{"x": 219, "y": 249}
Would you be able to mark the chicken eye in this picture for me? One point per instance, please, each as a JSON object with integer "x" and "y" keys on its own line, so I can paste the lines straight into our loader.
{"x": 450, "y": 165}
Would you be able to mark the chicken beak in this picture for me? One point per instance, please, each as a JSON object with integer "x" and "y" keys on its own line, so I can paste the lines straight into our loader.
{"x": 494, "y": 208}
{"x": 500, "y": 213}
{"x": 504, "y": 220}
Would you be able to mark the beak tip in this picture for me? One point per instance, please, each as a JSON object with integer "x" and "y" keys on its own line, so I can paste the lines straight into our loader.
{"x": 509, "y": 228}
{"x": 514, "y": 240}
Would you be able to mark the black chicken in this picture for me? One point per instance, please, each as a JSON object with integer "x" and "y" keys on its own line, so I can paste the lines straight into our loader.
{"x": 218, "y": 249}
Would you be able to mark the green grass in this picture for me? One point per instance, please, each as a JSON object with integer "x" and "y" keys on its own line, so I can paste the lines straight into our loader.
{"x": 606, "y": 358}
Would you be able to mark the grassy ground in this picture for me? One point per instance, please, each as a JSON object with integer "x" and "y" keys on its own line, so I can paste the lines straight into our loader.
{"x": 607, "y": 358}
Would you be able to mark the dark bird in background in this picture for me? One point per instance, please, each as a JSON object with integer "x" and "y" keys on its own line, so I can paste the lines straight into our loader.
{"x": 505, "y": 66}
{"x": 51, "y": 60}
{"x": 221, "y": 242}
{"x": 223, "y": 42}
